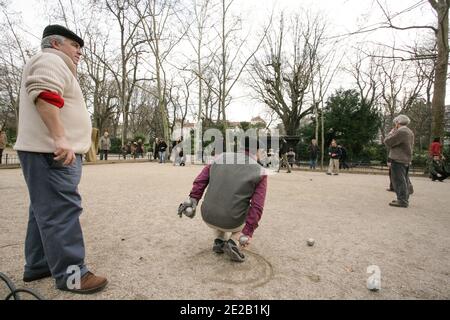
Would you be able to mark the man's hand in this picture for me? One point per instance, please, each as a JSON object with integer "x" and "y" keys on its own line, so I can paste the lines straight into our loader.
{"x": 244, "y": 240}
{"x": 51, "y": 117}
{"x": 439, "y": 175}
{"x": 188, "y": 208}
{"x": 64, "y": 152}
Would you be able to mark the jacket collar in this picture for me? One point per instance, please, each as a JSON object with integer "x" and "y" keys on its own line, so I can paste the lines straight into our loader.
{"x": 72, "y": 67}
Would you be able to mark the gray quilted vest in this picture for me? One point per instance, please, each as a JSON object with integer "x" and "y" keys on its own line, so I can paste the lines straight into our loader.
{"x": 233, "y": 178}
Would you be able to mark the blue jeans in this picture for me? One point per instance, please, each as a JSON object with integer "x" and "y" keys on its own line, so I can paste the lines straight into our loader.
{"x": 162, "y": 157}
{"x": 312, "y": 163}
{"x": 54, "y": 240}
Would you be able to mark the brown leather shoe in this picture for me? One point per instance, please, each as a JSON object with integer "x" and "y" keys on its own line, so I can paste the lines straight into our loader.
{"x": 90, "y": 283}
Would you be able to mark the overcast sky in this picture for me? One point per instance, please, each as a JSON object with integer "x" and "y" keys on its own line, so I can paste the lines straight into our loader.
{"x": 342, "y": 16}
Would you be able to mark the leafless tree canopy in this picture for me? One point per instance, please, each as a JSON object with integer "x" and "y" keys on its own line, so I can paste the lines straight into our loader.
{"x": 152, "y": 65}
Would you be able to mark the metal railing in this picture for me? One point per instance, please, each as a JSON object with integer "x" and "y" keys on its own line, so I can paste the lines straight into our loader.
{"x": 9, "y": 159}
{"x": 120, "y": 157}
{"x": 360, "y": 166}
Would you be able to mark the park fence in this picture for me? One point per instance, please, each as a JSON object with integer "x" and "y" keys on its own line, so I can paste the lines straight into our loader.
{"x": 12, "y": 160}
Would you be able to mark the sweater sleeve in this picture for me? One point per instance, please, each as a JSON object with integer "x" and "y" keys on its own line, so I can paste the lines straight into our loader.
{"x": 394, "y": 139}
{"x": 47, "y": 73}
{"x": 256, "y": 208}
{"x": 52, "y": 98}
{"x": 200, "y": 184}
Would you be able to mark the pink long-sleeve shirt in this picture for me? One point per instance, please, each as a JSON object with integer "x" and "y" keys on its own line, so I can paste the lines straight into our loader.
{"x": 256, "y": 204}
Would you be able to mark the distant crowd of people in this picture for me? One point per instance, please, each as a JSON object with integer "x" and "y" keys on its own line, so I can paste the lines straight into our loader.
{"x": 136, "y": 150}
{"x": 286, "y": 157}
{"x": 133, "y": 149}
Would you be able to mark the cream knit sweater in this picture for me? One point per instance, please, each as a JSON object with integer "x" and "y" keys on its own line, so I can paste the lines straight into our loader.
{"x": 54, "y": 71}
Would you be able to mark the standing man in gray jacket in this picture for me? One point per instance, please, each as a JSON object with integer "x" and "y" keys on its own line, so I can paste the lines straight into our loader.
{"x": 54, "y": 133}
{"x": 400, "y": 142}
{"x": 105, "y": 146}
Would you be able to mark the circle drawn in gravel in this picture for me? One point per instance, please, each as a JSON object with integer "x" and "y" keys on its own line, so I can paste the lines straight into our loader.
{"x": 255, "y": 271}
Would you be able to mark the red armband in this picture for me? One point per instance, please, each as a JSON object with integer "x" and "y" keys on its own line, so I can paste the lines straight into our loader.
{"x": 52, "y": 98}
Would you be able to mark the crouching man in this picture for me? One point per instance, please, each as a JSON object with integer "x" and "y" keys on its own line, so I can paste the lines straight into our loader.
{"x": 234, "y": 201}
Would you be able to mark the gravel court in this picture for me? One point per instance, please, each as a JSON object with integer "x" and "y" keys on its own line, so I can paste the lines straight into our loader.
{"x": 135, "y": 238}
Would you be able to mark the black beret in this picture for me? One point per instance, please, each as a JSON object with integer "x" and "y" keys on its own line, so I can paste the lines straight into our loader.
{"x": 56, "y": 29}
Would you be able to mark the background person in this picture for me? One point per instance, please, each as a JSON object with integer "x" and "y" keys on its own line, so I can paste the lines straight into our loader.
{"x": 400, "y": 142}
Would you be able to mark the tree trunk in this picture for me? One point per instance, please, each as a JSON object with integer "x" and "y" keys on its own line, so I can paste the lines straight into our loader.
{"x": 323, "y": 138}
{"x": 438, "y": 102}
{"x": 123, "y": 98}
{"x": 316, "y": 136}
{"x": 224, "y": 68}
{"x": 162, "y": 105}
{"x": 200, "y": 84}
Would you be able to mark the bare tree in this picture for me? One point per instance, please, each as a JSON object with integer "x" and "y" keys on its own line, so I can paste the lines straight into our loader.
{"x": 143, "y": 113}
{"x": 392, "y": 84}
{"x": 402, "y": 85}
{"x": 14, "y": 52}
{"x": 283, "y": 78}
{"x": 441, "y": 8}
{"x": 158, "y": 22}
{"x": 438, "y": 104}
{"x": 99, "y": 85}
{"x": 228, "y": 57}
{"x": 130, "y": 54}
{"x": 200, "y": 43}
{"x": 365, "y": 72}
{"x": 210, "y": 98}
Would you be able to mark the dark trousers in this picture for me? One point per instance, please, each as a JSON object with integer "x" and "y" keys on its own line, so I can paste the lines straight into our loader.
{"x": 284, "y": 163}
{"x": 312, "y": 163}
{"x": 400, "y": 181}
{"x": 343, "y": 164}
{"x": 1, "y": 155}
{"x": 104, "y": 153}
{"x": 443, "y": 176}
{"x": 391, "y": 186}
{"x": 54, "y": 240}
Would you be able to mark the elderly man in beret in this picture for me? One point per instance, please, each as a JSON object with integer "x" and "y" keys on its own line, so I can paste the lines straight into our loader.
{"x": 54, "y": 132}
{"x": 400, "y": 142}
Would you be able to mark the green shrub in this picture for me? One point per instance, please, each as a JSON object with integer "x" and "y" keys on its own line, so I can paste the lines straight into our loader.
{"x": 116, "y": 145}
{"x": 420, "y": 159}
{"x": 373, "y": 152}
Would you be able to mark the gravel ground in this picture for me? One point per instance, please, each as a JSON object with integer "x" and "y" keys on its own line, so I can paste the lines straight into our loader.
{"x": 134, "y": 237}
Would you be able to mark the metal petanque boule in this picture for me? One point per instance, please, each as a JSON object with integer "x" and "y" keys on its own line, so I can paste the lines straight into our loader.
{"x": 243, "y": 240}
{"x": 189, "y": 212}
{"x": 310, "y": 242}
